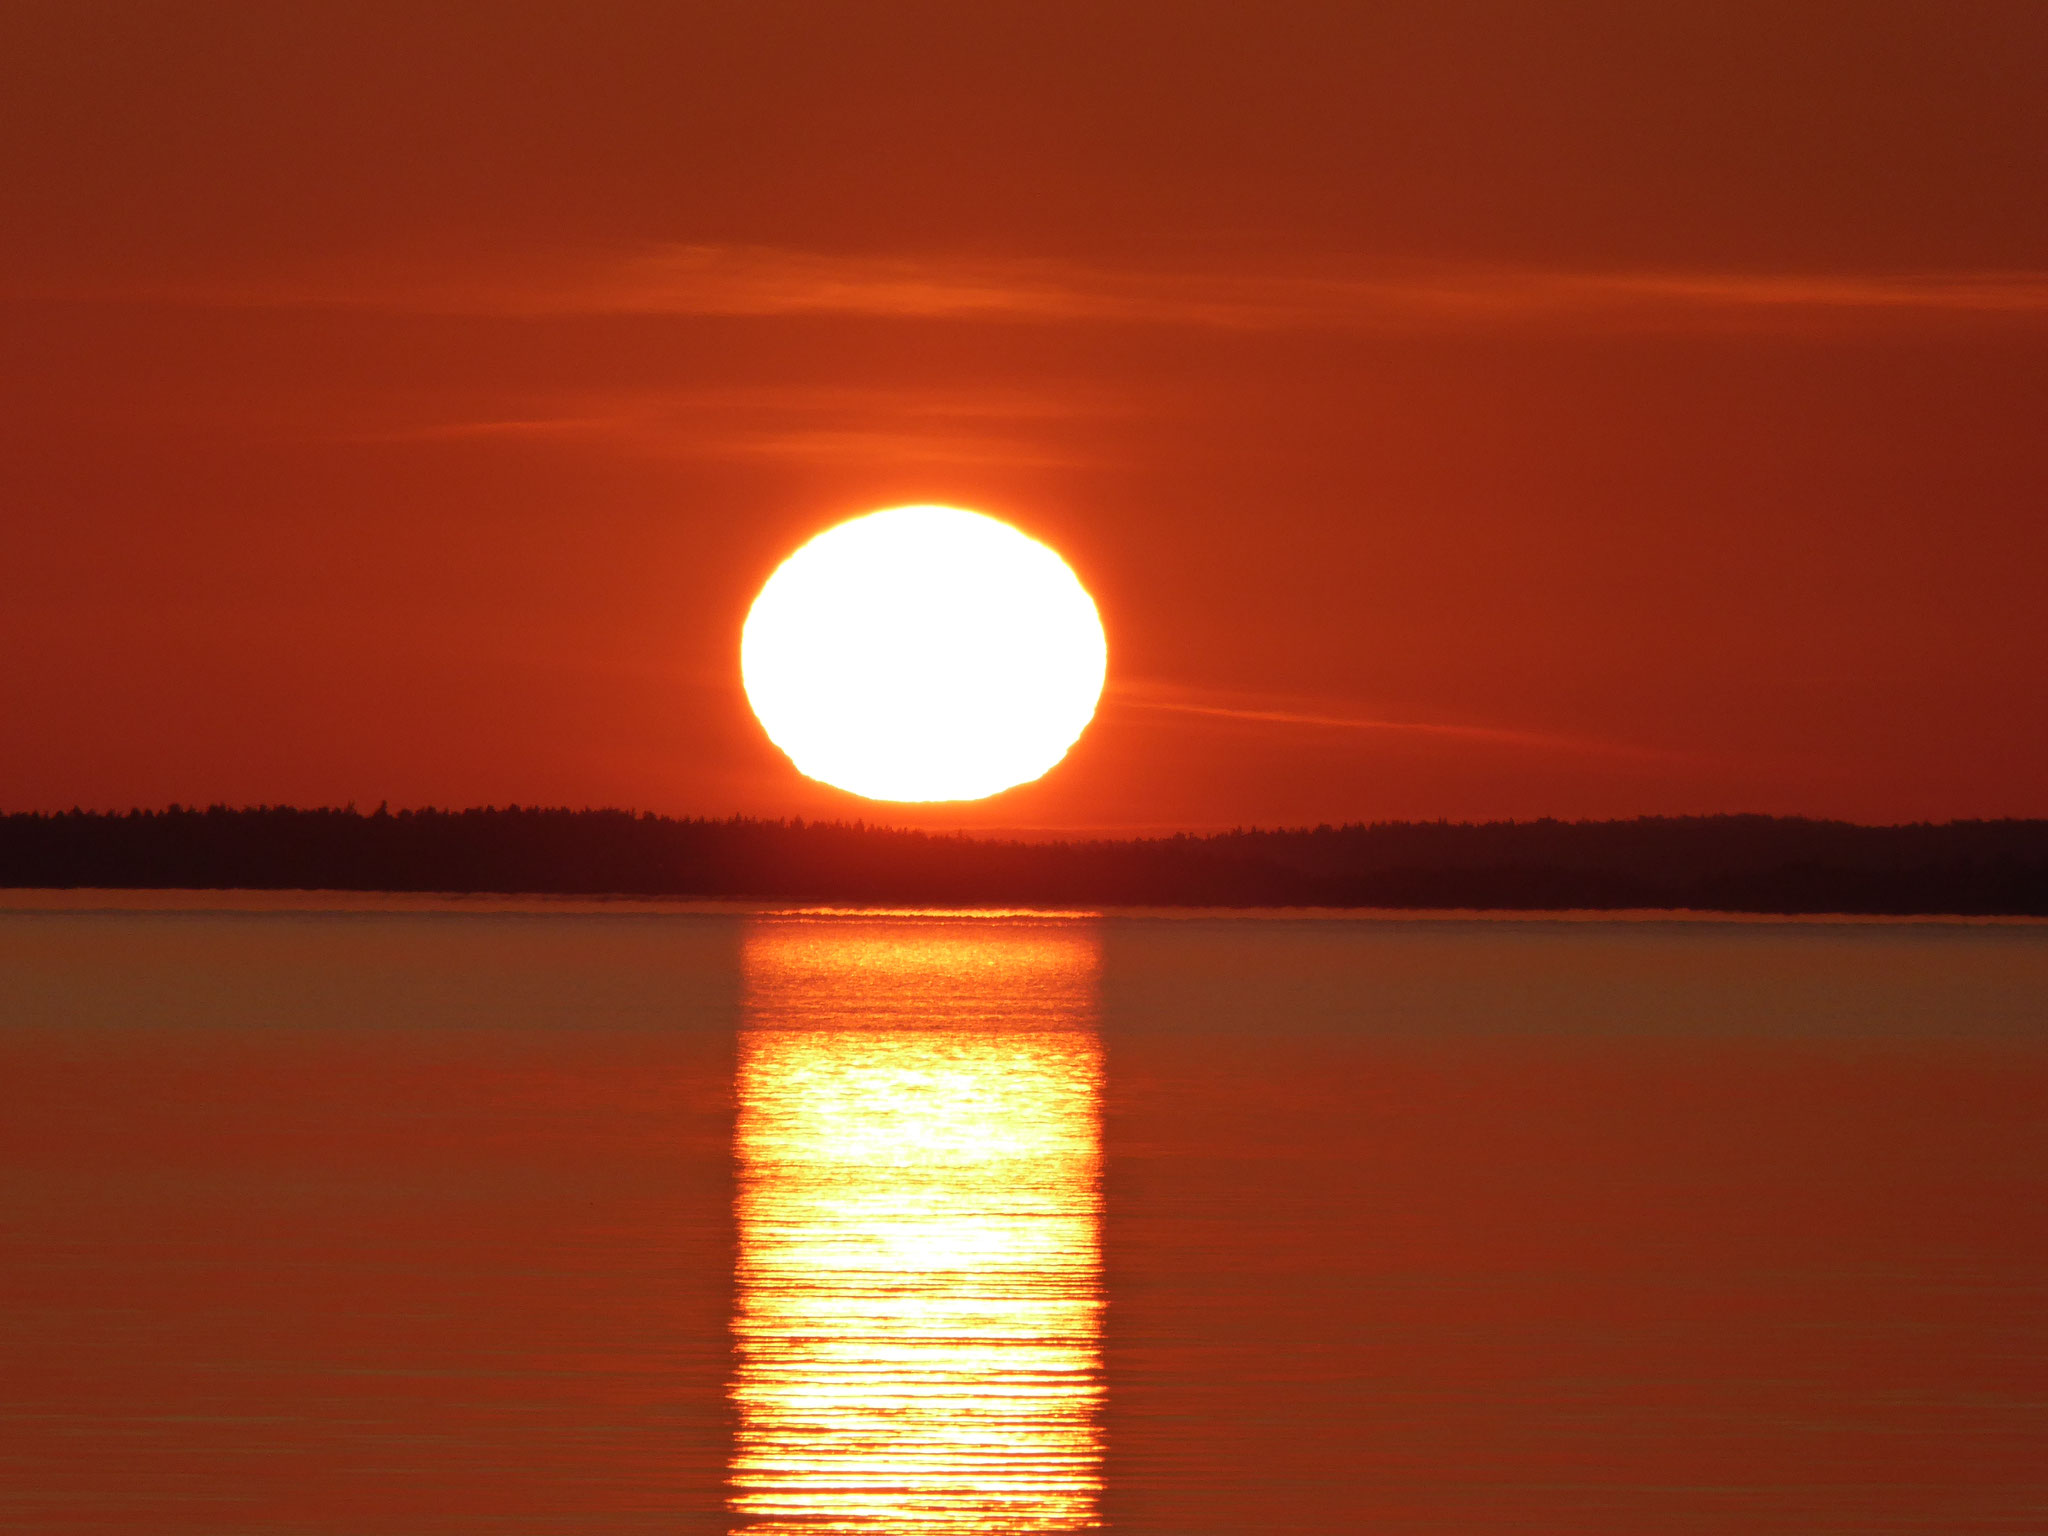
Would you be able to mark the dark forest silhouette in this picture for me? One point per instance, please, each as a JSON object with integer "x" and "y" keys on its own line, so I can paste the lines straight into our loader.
{"x": 1713, "y": 863}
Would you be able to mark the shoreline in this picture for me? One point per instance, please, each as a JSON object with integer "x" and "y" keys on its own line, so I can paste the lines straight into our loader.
{"x": 253, "y": 901}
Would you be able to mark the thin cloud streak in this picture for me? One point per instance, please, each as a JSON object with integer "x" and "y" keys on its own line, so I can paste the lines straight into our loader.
{"x": 758, "y": 282}
{"x": 1542, "y": 741}
{"x": 828, "y": 425}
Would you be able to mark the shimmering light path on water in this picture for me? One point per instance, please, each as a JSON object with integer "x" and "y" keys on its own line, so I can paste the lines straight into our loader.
{"x": 919, "y": 1264}
{"x": 614, "y": 1222}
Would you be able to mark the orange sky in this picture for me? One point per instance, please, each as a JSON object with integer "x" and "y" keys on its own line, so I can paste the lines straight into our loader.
{"x": 1457, "y": 410}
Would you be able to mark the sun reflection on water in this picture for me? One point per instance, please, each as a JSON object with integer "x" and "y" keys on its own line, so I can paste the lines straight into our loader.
{"x": 918, "y": 1322}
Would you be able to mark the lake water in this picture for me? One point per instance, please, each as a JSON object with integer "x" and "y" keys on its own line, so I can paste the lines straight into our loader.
{"x": 618, "y": 1219}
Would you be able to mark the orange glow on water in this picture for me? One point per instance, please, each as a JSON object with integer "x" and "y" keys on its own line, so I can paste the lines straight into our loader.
{"x": 919, "y": 1146}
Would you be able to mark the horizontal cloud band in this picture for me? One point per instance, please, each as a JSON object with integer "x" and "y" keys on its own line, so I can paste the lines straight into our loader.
{"x": 753, "y": 281}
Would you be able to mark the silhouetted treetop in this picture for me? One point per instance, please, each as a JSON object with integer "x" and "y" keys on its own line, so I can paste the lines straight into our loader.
{"x": 1714, "y": 863}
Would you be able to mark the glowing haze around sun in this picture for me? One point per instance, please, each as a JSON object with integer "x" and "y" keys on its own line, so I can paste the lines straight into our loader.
{"x": 924, "y": 653}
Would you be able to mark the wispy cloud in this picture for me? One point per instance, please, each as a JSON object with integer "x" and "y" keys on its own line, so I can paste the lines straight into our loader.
{"x": 1163, "y": 699}
{"x": 764, "y": 282}
{"x": 707, "y": 280}
{"x": 834, "y": 425}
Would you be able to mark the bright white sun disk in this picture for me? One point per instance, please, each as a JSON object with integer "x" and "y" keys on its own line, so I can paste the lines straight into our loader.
{"x": 923, "y": 653}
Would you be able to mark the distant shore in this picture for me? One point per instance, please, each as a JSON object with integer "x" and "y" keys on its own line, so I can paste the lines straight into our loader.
{"x": 1754, "y": 864}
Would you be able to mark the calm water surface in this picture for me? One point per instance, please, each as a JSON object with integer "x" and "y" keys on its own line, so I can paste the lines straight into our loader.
{"x": 467, "y": 1221}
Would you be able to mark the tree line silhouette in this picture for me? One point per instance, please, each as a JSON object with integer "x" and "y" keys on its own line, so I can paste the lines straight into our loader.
{"x": 1711, "y": 863}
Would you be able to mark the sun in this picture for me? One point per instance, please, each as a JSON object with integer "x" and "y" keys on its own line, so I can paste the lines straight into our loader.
{"x": 924, "y": 653}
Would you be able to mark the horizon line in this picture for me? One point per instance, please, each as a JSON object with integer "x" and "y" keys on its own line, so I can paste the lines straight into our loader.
{"x": 1016, "y": 833}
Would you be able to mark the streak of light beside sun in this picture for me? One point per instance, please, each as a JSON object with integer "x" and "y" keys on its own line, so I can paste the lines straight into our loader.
{"x": 924, "y": 653}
